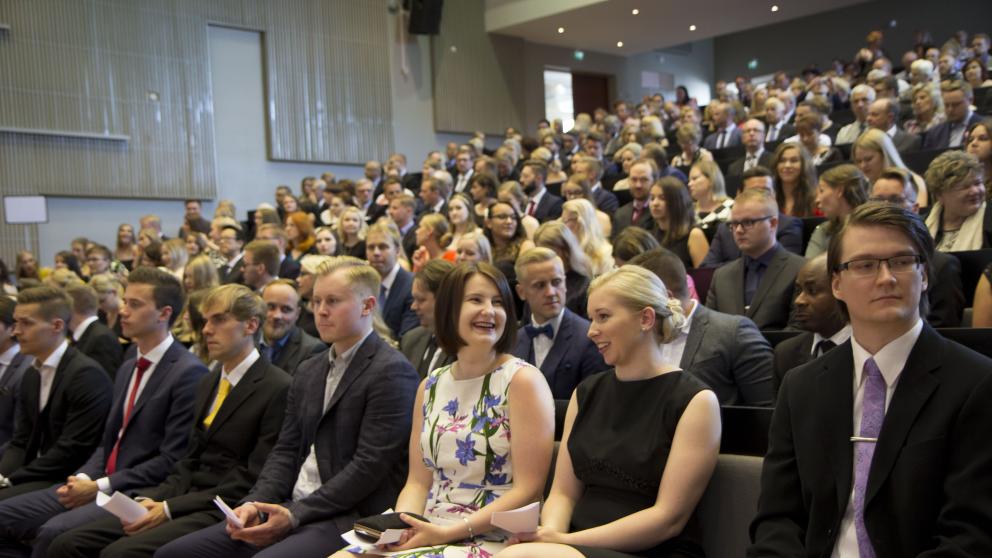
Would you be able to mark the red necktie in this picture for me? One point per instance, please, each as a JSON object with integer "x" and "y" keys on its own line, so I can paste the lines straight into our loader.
{"x": 142, "y": 366}
{"x": 638, "y": 209}
{"x": 531, "y": 207}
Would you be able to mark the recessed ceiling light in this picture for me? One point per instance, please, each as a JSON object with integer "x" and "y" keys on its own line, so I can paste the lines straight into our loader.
{"x": 561, "y": 30}
{"x": 619, "y": 44}
{"x": 692, "y": 28}
{"x": 775, "y": 8}
{"x": 635, "y": 11}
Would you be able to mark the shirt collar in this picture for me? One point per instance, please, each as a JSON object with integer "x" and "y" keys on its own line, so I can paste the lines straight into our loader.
{"x": 387, "y": 281}
{"x": 8, "y": 357}
{"x": 234, "y": 260}
{"x": 891, "y": 359}
{"x": 842, "y": 335}
{"x": 280, "y": 343}
{"x": 155, "y": 355}
{"x": 765, "y": 258}
{"x": 687, "y": 325}
{"x": 81, "y": 328}
{"x": 53, "y": 359}
{"x": 239, "y": 371}
{"x": 404, "y": 229}
{"x": 891, "y": 132}
{"x": 344, "y": 359}
{"x": 439, "y": 206}
{"x": 757, "y": 154}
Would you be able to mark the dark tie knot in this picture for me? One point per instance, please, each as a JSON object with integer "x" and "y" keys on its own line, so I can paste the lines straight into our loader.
{"x": 534, "y": 331}
{"x": 825, "y": 345}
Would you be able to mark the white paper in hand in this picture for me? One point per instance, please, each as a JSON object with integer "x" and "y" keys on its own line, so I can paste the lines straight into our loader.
{"x": 229, "y": 513}
{"x": 520, "y": 520}
{"x": 122, "y": 506}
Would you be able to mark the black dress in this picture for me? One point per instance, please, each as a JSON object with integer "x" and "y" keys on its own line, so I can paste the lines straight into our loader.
{"x": 619, "y": 445}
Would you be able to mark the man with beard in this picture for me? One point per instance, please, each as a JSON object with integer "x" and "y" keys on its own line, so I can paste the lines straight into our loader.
{"x": 283, "y": 342}
{"x": 542, "y": 205}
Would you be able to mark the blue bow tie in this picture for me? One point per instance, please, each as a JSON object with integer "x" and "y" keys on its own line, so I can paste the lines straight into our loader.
{"x": 534, "y": 331}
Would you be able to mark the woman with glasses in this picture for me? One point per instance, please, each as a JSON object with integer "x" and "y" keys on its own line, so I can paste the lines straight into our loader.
{"x": 506, "y": 233}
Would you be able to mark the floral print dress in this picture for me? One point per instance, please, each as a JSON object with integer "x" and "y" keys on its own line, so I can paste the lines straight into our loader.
{"x": 465, "y": 441}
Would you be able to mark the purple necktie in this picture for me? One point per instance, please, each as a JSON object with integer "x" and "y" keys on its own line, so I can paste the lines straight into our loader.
{"x": 872, "y": 415}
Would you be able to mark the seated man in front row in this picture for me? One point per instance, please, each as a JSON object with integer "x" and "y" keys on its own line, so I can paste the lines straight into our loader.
{"x": 726, "y": 352}
{"x": 759, "y": 283}
{"x": 878, "y": 448}
{"x": 341, "y": 453}
{"x": 555, "y": 341}
{"x": 238, "y": 410}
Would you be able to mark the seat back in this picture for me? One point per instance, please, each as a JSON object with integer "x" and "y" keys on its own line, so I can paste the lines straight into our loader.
{"x": 729, "y": 505}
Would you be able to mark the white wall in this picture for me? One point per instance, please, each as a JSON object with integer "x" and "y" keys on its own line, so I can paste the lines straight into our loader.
{"x": 693, "y": 70}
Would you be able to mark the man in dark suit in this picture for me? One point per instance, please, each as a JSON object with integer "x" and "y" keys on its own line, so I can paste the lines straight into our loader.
{"x": 230, "y": 242}
{"x": 420, "y": 345}
{"x": 957, "y": 97}
{"x": 284, "y": 344}
{"x": 382, "y": 247}
{"x": 726, "y": 352}
{"x": 13, "y": 365}
{"x": 89, "y": 335}
{"x": 789, "y": 232}
{"x": 288, "y": 267}
{"x": 726, "y": 133}
{"x": 146, "y": 433}
{"x": 753, "y": 138}
{"x": 883, "y": 114}
{"x": 402, "y": 210}
{"x": 434, "y": 196}
{"x": 555, "y": 340}
{"x": 817, "y": 315}
{"x": 759, "y": 284}
{"x": 542, "y": 204}
{"x": 463, "y": 170}
{"x": 592, "y": 169}
{"x": 636, "y": 213}
{"x": 193, "y": 220}
{"x": 874, "y": 449}
{"x": 341, "y": 454}
{"x": 945, "y": 293}
{"x": 776, "y": 126}
{"x": 64, "y": 399}
{"x": 238, "y": 411}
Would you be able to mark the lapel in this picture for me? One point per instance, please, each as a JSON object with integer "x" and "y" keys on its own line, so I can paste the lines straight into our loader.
{"x": 835, "y": 384}
{"x": 70, "y": 353}
{"x": 238, "y": 395}
{"x": 916, "y": 385}
{"x": 767, "y": 280}
{"x": 289, "y": 351}
{"x": 162, "y": 370}
{"x": 361, "y": 361}
{"x": 30, "y": 386}
{"x": 560, "y": 344}
{"x": 736, "y": 272}
{"x": 697, "y": 330}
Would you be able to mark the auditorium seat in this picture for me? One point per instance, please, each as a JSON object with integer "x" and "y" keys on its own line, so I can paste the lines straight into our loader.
{"x": 775, "y": 337}
{"x": 809, "y": 225}
{"x": 973, "y": 263}
{"x": 729, "y": 504}
{"x": 701, "y": 277}
{"x": 983, "y": 100}
{"x": 978, "y": 339}
{"x": 845, "y": 150}
{"x": 745, "y": 430}
{"x": 918, "y": 161}
{"x": 842, "y": 118}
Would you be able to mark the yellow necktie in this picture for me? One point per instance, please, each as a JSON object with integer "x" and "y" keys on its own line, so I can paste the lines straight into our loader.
{"x": 222, "y": 390}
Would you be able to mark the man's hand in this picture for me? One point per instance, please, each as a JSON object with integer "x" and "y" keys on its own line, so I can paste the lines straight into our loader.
{"x": 249, "y": 516}
{"x": 275, "y": 528}
{"x": 77, "y": 492}
{"x": 156, "y": 516}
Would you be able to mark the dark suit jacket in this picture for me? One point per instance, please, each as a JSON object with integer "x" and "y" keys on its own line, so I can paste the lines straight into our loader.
{"x": 735, "y": 172}
{"x": 573, "y": 356}
{"x": 225, "y": 459}
{"x": 396, "y": 311}
{"x": 410, "y": 241}
{"x": 906, "y": 142}
{"x": 298, "y": 348}
{"x": 360, "y": 441}
{"x": 624, "y": 218}
{"x": 100, "y": 343}
{"x": 732, "y": 139}
{"x": 771, "y": 307}
{"x": 10, "y": 394}
{"x": 52, "y": 444}
{"x": 735, "y": 359}
{"x": 723, "y": 249}
{"x": 236, "y": 275}
{"x": 158, "y": 430}
{"x": 413, "y": 345}
{"x": 289, "y": 268}
{"x": 929, "y": 487}
{"x": 792, "y": 353}
{"x": 787, "y": 130}
{"x": 939, "y": 137}
{"x": 944, "y": 291}
{"x": 548, "y": 208}
{"x": 605, "y": 200}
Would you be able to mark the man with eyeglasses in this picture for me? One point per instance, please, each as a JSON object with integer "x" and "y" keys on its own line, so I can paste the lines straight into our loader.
{"x": 957, "y": 97}
{"x": 230, "y": 241}
{"x": 878, "y": 448}
{"x": 946, "y": 292}
{"x": 758, "y": 284}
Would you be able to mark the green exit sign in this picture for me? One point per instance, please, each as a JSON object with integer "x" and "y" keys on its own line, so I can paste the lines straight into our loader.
{"x": 752, "y": 64}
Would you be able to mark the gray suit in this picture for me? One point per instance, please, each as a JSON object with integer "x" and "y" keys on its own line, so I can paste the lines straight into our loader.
{"x": 10, "y": 386}
{"x": 413, "y": 345}
{"x": 735, "y": 361}
{"x": 906, "y": 142}
{"x": 298, "y": 348}
{"x": 771, "y": 307}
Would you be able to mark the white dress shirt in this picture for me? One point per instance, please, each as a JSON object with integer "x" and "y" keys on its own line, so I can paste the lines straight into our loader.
{"x": 543, "y": 343}
{"x": 47, "y": 372}
{"x": 463, "y": 180}
{"x": 672, "y": 352}
{"x": 78, "y": 332}
{"x": 891, "y": 359}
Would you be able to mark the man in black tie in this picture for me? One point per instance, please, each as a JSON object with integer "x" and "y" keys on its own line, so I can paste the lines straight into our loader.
{"x": 817, "y": 315}
{"x": 419, "y": 345}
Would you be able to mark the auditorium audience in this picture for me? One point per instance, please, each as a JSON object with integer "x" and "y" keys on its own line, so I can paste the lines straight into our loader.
{"x": 673, "y": 221}
{"x": 555, "y": 236}
{"x": 631, "y": 242}
{"x": 485, "y": 192}
{"x": 709, "y": 194}
{"x": 432, "y": 240}
{"x": 474, "y": 247}
{"x": 109, "y": 292}
{"x": 840, "y": 190}
{"x": 66, "y": 260}
{"x": 874, "y": 151}
{"x": 260, "y": 264}
{"x": 581, "y": 218}
{"x": 299, "y": 231}
{"x": 960, "y": 218}
{"x": 688, "y": 136}
{"x": 795, "y": 179}
{"x": 283, "y": 343}
{"x": 808, "y": 134}
{"x": 637, "y": 212}
{"x": 230, "y": 242}
{"x": 505, "y": 233}
{"x": 13, "y": 365}
{"x": 196, "y": 244}
{"x": 27, "y": 270}
{"x": 352, "y": 231}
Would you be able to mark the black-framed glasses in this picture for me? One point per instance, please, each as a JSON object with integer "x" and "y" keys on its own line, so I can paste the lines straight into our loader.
{"x": 504, "y": 217}
{"x": 865, "y": 267}
{"x": 746, "y": 224}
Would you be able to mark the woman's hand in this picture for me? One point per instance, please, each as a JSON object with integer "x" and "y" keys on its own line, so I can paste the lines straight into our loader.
{"x": 422, "y": 533}
{"x": 420, "y": 258}
{"x": 543, "y": 535}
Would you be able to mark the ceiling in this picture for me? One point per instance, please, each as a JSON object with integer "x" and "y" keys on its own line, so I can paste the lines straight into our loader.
{"x": 597, "y": 25}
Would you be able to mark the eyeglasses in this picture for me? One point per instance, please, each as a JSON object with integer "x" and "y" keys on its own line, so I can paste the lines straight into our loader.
{"x": 747, "y": 224}
{"x": 504, "y": 217}
{"x": 869, "y": 266}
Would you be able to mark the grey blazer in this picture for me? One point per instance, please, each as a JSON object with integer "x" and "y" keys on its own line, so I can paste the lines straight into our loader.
{"x": 771, "y": 307}
{"x": 735, "y": 361}
{"x": 300, "y": 347}
{"x": 413, "y": 345}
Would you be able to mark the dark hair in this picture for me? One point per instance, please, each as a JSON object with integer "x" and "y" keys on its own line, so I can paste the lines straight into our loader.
{"x": 433, "y": 272}
{"x": 266, "y": 253}
{"x": 880, "y": 214}
{"x": 755, "y": 171}
{"x": 152, "y": 254}
{"x": 853, "y": 184}
{"x": 540, "y": 168}
{"x": 70, "y": 261}
{"x": 7, "y": 306}
{"x": 4, "y": 273}
{"x": 807, "y": 180}
{"x": 655, "y": 152}
{"x": 668, "y": 267}
{"x": 679, "y": 206}
{"x": 487, "y": 181}
{"x": 166, "y": 289}
{"x": 633, "y": 241}
{"x": 448, "y": 308}
{"x": 519, "y": 235}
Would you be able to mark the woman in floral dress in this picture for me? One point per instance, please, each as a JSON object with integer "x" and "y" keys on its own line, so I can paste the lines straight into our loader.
{"x": 464, "y": 463}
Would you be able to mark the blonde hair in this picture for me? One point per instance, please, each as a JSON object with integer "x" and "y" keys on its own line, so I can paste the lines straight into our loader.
{"x": 481, "y": 244}
{"x": 311, "y": 262}
{"x": 364, "y": 282}
{"x": 555, "y": 235}
{"x": 363, "y": 227}
{"x": 712, "y": 172}
{"x": 879, "y": 141}
{"x": 439, "y": 228}
{"x": 590, "y": 235}
{"x": 237, "y": 300}
{"x": 225, "y": 208}
{"x": 178, "y": 256}
{"x": 637, "y": 289}
{"x": 202, "y": 273}
{"x": 106, "y": 282}
{"x": 62, "y": 278}
{"x": 758, "y": 195}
